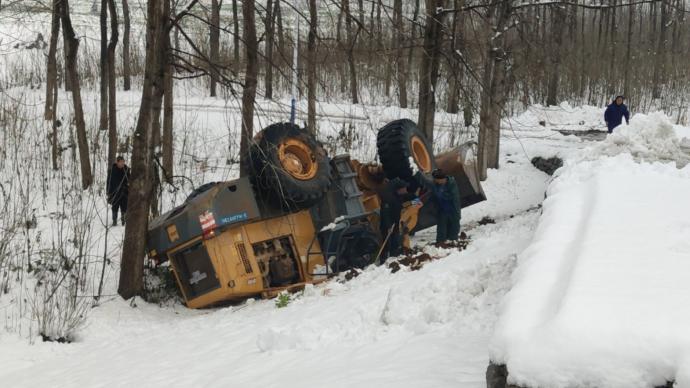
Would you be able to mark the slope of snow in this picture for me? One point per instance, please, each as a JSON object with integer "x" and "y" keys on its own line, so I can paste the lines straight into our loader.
{"x": 410, "y": 329}
{"x": 600, "y": 297}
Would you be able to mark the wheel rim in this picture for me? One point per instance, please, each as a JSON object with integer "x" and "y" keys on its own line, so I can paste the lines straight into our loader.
{"x": 297, "y": 159}
{"x": 420, "y": 154}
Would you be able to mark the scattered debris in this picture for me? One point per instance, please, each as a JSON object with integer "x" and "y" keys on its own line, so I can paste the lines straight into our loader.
{"x": 415, "y": 259}
{"x": 486, "y": 220}
{"x": 60, "y": 340}
{"x": 351, "y": 274}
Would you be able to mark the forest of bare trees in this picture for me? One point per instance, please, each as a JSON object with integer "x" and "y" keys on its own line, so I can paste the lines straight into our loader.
{"x": 482, "y": 60}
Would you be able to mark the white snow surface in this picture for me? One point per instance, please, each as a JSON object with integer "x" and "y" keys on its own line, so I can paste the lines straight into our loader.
{"x": 600, "y": 297}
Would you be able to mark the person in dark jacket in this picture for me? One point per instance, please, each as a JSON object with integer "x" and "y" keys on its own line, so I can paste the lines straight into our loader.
{"x": 446, "y": 196}
{"x": 615, "y": 112}
{"x": 392, "y": 201}
{"x": 118, "y": 188}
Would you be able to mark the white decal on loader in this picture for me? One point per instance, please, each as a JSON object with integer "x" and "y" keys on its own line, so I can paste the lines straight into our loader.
{"x": 197, "y": 277}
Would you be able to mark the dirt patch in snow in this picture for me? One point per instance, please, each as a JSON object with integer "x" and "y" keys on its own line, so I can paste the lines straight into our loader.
{"x": 548, "y": 165}
{"x": 416, "y": 258}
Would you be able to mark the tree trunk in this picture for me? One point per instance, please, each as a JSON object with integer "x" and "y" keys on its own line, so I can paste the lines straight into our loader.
{"x": 214, "y": 40}
{"x": 140, "y": 189}
{"x": 626, "y": 75}
{"x": 428, "y": 73}
{"x": 494, "y": 90}
{"x": 279, "y": 25}
{"x": 167, "y": 142}
{"x": 66, "y": 78}
{"x": 55, "y": 147}
{"x": 268, "y": 79}
{"x": 249, "y": 92}
{"x": 103, "y": 120}
{"x": 236, "y": 35}
{"x": 51, "y": 77}
{"x": 400, "y": 53}
{"x": 372, "y": 36}
{"x": 555, "y": 68}
{"x": 660, "y": 57}
{"x": 126, "y": 66}
{"x": 455, "y": 70}
{"x": 311, "y": 67}
{"x": 71, "y": 68}
{"x": 112, "y": 86}
{"x": 350, "y": 51}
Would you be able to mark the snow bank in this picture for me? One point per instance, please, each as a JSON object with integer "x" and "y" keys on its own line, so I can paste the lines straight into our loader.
{"x": 648, "y": 137}
{"x": 600, "y": 297}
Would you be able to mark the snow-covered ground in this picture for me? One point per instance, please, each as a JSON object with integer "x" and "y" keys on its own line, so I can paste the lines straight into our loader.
{"x": 599, "y": 298}
{"x": 427, "y": 328}
{"x": 423, "y": 328}
{"x": 430, "y": 327}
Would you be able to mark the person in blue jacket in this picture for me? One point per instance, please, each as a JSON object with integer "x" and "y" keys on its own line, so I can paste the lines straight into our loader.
{"x": 615, "y": 112}
{"x": 446, "y": 195}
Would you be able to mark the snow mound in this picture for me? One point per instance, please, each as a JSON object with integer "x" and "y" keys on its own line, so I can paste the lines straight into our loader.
{"x": 648, "y": 137}
{"x": 600, "y": 297}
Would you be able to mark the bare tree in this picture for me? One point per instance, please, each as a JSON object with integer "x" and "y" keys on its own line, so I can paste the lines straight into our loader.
{"x": 558, "y": 21}
{"x": 350, "y": 50}
{"x": 400, "y": 53}
{"x": 167, "y": 141}
{"x": 495, "y": 87}
{"x": 311, "y": 67}
{"x": 214, "y": 43}
{"x": 112, "y": 83}
{"x": 454, "y": 65}
{"x": 103, "y": 121}
{"x": 126, "y": 65}
{"x": 269, "y": 27}
{"x": 250, "y": 80}
{"x": 71, "y": 68}
{"x": 660, "y": 63}
{"x": 235, "y": 35}
{"x": 51, "y": 77}
{"x": 428, "y": 70}
{"x": 140, "y": 191}
{"x": 626, "y": 75}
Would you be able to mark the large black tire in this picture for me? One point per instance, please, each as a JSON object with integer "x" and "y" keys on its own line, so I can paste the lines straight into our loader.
{"x": 290, "y": 165}
{"x": 397, "y": 142}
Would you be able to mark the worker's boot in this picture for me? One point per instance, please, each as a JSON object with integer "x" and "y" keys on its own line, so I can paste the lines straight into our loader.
{"x": 124, "y": 216}
{"x": 114, "y": 218}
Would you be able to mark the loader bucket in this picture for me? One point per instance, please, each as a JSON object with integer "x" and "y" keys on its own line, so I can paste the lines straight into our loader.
{"x": 461, "y": 163}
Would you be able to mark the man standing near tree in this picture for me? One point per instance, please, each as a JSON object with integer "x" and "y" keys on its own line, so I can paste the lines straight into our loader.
{"x": 615, "y": 112}
{"x": 118, "y": 188}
